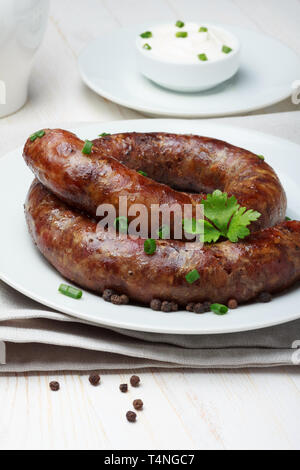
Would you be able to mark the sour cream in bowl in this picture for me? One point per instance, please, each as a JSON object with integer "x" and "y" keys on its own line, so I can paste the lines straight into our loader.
{"x": 188, "y": 56}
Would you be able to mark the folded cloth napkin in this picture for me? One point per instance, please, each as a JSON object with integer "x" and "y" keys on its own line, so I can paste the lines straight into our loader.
{"x": 39, "y": 339}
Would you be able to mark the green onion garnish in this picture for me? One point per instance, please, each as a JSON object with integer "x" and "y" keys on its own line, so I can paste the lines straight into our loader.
{"x": 261, "y": 157}
{"x": 104, "y": 134}
{"x": 203, "y": 29}
{"x": 226, "y": 49}
{"x": 287, "y": 219}
{"x": 192, "y": 276}
{"x": 179, "y": 24}
{"x": 202, "y": 57}
{"x": 37, "y": 135}
{"x": 163, "y": 232}
{"x": 146, "y": 34}
{"x": 70, "y": 291}
{"x": 150, "y": 246}
{"x": 147, "y": 47}
{"x": 87, "y": 147}
{"x": 219, "y": 309}
{"x": 142, "y": 173}
{"x": 121, "y": 224}
{"x": 181, "y": 34}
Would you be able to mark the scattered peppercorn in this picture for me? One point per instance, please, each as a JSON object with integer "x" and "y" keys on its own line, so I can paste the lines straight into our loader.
{"x": 107, "y": 295}
{"x": 124, "y": 299}
{"x": 264, "y": 297}
{"x": 138, "y": 405}
{"x": 131, "y": 416}
{"x": 94, "y": 379}
{"x": 124, "y": 388}
{"x": 232, "y": 304}
{"x": 199, "y": 308}
{"x": 119, "y": 299}
{"x": 54, "y": 386}
{"x": 206, "y": 306}
{"x": 135, "y": 381}
{"x": 190, "y": 307}
{"x": 156, "y": 305}
{"x": 166, "y": 307}
{"x": 115, "y": 299}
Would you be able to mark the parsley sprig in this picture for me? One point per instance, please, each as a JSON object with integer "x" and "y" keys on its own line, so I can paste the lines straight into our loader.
{"x": 224, "y": 217}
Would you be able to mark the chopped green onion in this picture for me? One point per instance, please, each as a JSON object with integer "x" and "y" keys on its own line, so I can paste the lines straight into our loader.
{"x": 287, "y": 219}
{"x": 147, "y": 47}
{"x": 121, "y": 224}
{"x": 87, "y": 147}
{"x": 203, "y": 29}
{"x": 192, "y": 276}
{"x": 150, "y": 246}
{"x": 142, "y": 173}
{"x": 163, "y": 232}
{"x": 261, "y": 157}
{"x": 181, "y": 34}
{"x": 146, "y": 34}
{"x": 70, "y": 291}
{"x": 226, "y": 49}
{"x": 202, "y": 57}
{"x": 104, "y": 134}
{"x": 219, "y": 309}
{"x": 179, "y": 24}
{"x": 37, "y": 135}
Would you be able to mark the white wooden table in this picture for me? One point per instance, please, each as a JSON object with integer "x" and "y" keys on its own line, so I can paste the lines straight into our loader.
{"x": 207, "y": 409}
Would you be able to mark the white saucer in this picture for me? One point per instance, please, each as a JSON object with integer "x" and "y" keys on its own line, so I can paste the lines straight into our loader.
{"x": 24, "y": 268}
{"x": 268, "y": 69}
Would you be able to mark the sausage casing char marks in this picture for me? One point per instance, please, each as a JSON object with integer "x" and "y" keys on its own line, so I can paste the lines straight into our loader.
{"x": 268, "y": 260}
{"x": 202, "y": 164}
{"x": 187, "y": 162}
{"x": 89, "y": 181}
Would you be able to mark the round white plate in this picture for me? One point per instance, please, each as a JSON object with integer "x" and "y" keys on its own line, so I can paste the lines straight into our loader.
{"x": 268, "y": 69}
{"x": 23, "y": 268}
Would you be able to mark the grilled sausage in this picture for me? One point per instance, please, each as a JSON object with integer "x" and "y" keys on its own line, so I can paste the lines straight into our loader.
{"x": 185, "y": 162}
{"x": 88, "y": 181}
{"x": 202, "y": 164}
{"x": 268, "y": 260}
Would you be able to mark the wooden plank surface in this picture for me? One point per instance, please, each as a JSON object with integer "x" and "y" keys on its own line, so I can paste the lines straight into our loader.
{"x": 183, "y": 409}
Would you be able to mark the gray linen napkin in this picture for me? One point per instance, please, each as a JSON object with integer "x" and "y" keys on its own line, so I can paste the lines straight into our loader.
{"x": 38, "y": 339}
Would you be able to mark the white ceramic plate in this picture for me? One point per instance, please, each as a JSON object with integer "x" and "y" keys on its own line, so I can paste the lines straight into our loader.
{"x": 268, "y": 69}
{"x": 23, "y": 268}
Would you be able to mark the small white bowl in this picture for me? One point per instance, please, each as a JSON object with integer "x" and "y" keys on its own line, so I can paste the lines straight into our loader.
{"x": 189, "y": 77}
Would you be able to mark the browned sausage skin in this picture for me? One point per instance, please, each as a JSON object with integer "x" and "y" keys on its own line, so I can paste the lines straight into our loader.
{"x": 89, "y": 181}
{"x": 186, "y": 162}
{"x": 268, "y": 260}
{"x": 202, "y": 164}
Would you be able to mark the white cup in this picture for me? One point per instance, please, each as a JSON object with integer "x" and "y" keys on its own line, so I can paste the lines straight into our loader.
{"x": 22, "y": 27}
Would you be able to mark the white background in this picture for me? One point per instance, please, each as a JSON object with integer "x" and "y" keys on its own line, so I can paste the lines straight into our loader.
{"x": 207, "y": 409}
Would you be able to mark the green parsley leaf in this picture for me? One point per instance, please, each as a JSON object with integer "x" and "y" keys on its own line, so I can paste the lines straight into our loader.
{"x": 219, "y": 209}
{"x": 226, "y": 218}
{"x": 206, "y": 231}
{"x": 238, "y": 225}
{"x": 211, "y": 234}
{"x": 193, "y": 226}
